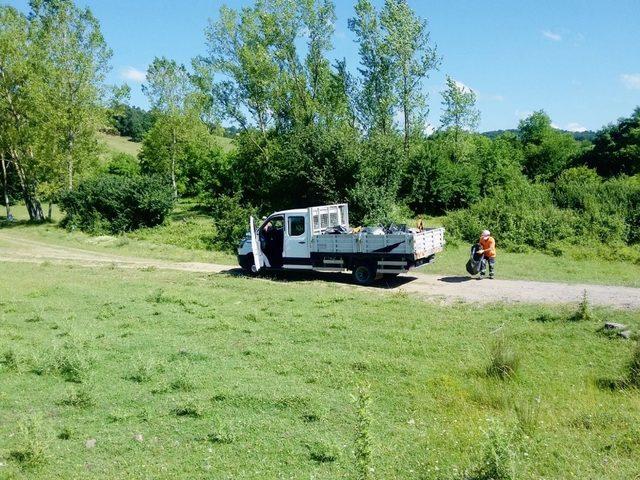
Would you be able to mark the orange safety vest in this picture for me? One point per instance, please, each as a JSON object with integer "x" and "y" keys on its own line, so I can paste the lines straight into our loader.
{"x": 489, "y": 247}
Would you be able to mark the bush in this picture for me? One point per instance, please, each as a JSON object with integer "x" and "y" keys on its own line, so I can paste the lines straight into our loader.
{"x": 520, "y": 214}
{"x": 231, "y": 221}
{"x": 123, "y": 164}
{"x": 115, "y": 204}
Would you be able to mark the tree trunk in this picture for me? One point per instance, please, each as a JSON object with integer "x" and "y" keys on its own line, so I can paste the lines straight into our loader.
{"x": 30, "y": 199}
{"x": 405, "y": 106}
{"x": 70, "y": 164}
{"x": 173, "y": 166}
{"x": 5, "y": 184}
{"x": 50, "y": 210}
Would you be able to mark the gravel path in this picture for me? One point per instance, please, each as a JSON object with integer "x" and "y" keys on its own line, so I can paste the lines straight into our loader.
{"x": 14, "y": 248}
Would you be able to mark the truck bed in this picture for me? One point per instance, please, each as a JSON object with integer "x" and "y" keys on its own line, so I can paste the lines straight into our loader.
{"x": 414, "y": 245}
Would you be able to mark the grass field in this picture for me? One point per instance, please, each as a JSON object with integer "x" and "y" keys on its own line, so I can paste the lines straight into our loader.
{"x": 108, "y": 373}
{"x": 117, "y": 144}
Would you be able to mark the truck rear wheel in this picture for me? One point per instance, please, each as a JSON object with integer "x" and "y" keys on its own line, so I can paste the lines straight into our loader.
{"x": 364, "y": 274}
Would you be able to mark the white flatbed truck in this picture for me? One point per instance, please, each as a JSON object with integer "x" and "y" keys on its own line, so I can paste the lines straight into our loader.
{"x": 319, "y": 239}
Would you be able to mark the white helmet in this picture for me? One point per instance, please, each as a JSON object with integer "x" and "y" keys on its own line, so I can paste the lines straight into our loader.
{"x": 485, "y": 233}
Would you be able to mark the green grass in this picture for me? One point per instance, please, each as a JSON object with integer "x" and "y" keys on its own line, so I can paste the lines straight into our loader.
{"x": 185, "y": 237}
{"x": 117, "y": 144}
{"x": 159, "y": 374}
{"x": 543, "y": 267}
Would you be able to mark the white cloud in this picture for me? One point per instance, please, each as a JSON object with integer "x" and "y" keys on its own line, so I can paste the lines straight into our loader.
{"x": 553, "y": 36}
{"x": 575, "y": 127}
{"x": 557, "y": 127}
{"x": 429, "y": 129}
{"x": 631, "y": 80}
{"x": 133, "y": 74}
{"x": 522, "y": 114}
{"x": 462, "y": 87}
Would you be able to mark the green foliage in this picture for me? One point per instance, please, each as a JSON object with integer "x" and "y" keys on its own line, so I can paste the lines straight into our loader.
{"x": 132, "y": 122}
{"x": 584, "y": 312}
{"x": 364, "y": 467}
{"x": 499, "y": 461}
{"x": 30, "y": 449}
{"x": 459, "y": 108}
{"x": 113, "y": 204}
{"x": 123, "y": 164}
{"x": 519, "y": 214}
{"x": 633, "y": 367}
{"x": 547, "y": 151}
{"x": 182, "y": 150}
{"x": 504, "y": 360}
{"x": 230, "y": 220}
{"x": 616, "y": 148}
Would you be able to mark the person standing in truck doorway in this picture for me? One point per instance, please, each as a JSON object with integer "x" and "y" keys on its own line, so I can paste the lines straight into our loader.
{"x": 488, "y": 244}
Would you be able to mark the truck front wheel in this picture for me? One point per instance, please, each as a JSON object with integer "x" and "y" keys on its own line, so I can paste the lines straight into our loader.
{"x": 364, "y": 274}
{"x": 246, "y": 263}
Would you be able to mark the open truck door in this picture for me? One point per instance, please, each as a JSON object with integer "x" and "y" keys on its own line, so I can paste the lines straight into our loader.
{"x": 255, "y": 247}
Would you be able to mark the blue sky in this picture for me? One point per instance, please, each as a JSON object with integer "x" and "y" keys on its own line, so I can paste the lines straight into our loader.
{"x": 578, "y": 60}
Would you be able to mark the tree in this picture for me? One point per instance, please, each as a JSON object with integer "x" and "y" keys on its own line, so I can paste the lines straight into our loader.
{"x": 171, "y": 95}
{"x": 412, "y": 55}
{"x": 17, "y": 104}
{"x": 547, "y": 151}
{"x": 73, "y": 56}
{"x": 52, "y": 64}
{"x": 459, "y": 108}
{"x": 616, "y": 148}
{"x": 376, "y": 96}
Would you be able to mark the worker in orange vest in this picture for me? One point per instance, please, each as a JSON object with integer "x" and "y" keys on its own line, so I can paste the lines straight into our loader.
{"x": 488, "y": 252}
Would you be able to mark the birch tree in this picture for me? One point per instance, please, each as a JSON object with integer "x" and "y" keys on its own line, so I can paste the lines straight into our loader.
{"x": 412, "y": 55}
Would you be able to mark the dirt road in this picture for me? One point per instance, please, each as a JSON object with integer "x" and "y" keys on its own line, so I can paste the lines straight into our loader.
{"x": 14, "y": 248}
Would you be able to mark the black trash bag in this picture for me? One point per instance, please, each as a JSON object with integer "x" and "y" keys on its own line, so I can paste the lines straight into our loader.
{"x": 475, "y": 260}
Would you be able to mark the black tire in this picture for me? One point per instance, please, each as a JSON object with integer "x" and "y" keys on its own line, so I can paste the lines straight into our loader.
{"x": 246, "y": 263}
{"x": 364, "y": 273}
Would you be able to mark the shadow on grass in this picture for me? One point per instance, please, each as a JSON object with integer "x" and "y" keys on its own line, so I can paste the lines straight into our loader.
{"x": 614, "y": 384}
{"x": 4, "y": 224}
{"x": 342, "y": 278}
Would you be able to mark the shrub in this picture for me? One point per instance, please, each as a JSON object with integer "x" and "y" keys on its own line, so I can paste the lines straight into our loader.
{"x": 504, "y": 361}
{"x": 499, "y": 456}
{"x": 123, "y": 164}
{"x": 521, "y": 214}
{"x": 80, "y": 397}
{"x": 114, "y": 204}
{"x": 584, "y": 311}
{"x": 30, "y": 449}
{"x": 231, "y": 221}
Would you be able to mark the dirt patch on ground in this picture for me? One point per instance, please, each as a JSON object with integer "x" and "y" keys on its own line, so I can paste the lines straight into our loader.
{"x": 14, "y": 248}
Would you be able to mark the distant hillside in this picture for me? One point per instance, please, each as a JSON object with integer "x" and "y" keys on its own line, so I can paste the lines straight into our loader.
{"x": 579, "y": 136}
{"x": 118, "y": 144}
